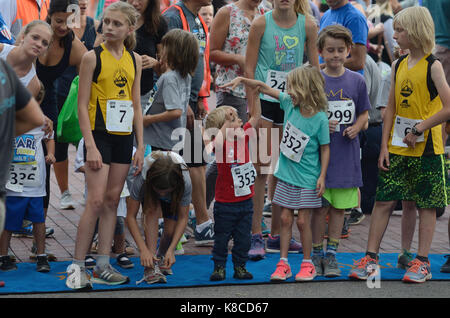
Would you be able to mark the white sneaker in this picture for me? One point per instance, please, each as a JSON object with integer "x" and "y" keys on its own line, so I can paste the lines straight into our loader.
{"x": 66, "y": 202}
{"x": 76, "y": 278}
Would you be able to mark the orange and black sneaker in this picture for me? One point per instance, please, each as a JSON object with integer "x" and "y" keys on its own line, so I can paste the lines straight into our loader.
{"x": 418, "y": 272}
{"x": 364, "y": 268}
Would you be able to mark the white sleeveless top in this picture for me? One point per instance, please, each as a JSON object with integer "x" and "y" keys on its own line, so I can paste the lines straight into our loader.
{"x": 25, "y": 80}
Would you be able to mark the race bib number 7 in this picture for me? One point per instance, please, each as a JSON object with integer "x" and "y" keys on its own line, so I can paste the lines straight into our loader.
{"x": 119, "y": 116}
{"x": 294, "y": 142}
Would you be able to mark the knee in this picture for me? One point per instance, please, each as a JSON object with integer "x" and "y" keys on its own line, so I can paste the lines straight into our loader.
{"x": 286, "y": 219}
{"x": 95, "y": 204}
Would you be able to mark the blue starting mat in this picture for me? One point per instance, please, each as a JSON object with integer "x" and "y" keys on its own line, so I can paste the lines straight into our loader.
{"x": 194, "y": 271}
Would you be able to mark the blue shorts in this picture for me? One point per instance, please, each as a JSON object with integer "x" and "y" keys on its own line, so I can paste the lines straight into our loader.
{"x": 20, "y": 208}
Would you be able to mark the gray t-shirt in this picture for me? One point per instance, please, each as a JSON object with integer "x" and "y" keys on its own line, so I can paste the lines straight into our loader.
{"x": 372, "y": 77}
{"x": 171, "y": 91}
{"x": 174, "y": 22}
{"x": 13, "y": 97}
{"x": 137, "y": 187}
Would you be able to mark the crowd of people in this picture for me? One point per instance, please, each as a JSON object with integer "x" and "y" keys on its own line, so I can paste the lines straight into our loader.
{"x": 326, "y": 111}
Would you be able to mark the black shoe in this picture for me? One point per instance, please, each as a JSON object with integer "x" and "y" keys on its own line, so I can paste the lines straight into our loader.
{"x": 42, "y": 264}
{"x": 445, "y": 268}
{"x": 356, "y": 217}
{"x": 218, "y": 274}
{"x": 124, "y": 262}
{"x": 240, "y": 272}
{"x": 89, "y": 262}
{"x": 7, "y": 264}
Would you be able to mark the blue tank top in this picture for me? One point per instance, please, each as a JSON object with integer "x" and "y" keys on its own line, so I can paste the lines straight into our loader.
{"x": 280, "y": 49}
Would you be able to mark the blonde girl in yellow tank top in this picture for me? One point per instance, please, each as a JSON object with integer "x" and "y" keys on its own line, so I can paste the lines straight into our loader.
{"x": 109, "y": 118}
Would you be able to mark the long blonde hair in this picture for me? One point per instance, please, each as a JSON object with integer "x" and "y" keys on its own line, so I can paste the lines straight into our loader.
{"x": 131, "y": 16}
{"x": 303, "y": 7}
{"x": 417, "y": 21}
{"x": 308, "y": 86}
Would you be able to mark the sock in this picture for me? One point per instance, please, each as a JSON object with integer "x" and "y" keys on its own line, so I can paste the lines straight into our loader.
{"x": 422, "y": 259}
{"x": 200, "y": 227}
{"x": 372, "y": 255}
{"x": 318, "y": 249}
{"x": 332, "y": 246}
{"x": 307, "y": 261}
{"x": 79, "y": 263}
{"x": 285, "y": 260}
{"x": 102, "y": 261}
{"x": 41, "y": 255}
{"x": 359, "y": 210}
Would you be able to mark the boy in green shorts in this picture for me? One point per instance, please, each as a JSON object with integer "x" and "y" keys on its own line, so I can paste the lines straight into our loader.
{"x": 348, "y": 105}
{"x": 411, "y": 158}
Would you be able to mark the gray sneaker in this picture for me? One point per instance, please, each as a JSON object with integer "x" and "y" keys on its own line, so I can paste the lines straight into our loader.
{"x": 66, "y": 201}
{"x": 318, "y": 264}
{"x": 165, "y": 270}
{"x": 108, "y": 276}
{"x": 153, "y": 275}
{"x": 330, "y": 266}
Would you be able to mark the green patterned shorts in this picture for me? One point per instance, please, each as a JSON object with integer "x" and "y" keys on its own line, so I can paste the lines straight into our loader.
{"x": 419, "y": 179}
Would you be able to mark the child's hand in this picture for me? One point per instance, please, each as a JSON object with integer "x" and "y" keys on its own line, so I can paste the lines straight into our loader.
{"x": 148, "y": 62}
{"x": 320, "y": 187}
{"x": 50, "y": 159}
{"x": 169, "y": 259}
{"x": 332, "y": 125}
{"x": 351, "y": 132}
{"x": 234, "y": 83}
{"x": 138, "y": 161}
{"x": 147, "y": 258}
{"x": 383, "y": 159}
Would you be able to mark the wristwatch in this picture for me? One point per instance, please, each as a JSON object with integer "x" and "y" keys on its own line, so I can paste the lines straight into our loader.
{"x": 415, "y": 132}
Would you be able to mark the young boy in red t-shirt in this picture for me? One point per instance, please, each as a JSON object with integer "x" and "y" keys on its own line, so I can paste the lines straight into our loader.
{"x": 233, "y": 207}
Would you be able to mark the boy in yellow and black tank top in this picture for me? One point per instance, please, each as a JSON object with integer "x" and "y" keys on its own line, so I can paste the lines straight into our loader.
{"x": 415, "y": 101}
{"x": 415, "y": 174}
{"x": 113, "y": 82}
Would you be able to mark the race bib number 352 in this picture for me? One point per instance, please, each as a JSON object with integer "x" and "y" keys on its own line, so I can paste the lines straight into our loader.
{"x": 294, "y": 142}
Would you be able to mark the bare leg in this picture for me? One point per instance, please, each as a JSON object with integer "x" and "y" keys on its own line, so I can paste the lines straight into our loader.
{"x": 408, "y": 223}
{"x": 304, "y": 226}
{"x": 427, "y": 224}
{"x": 286, "y": 220}
{"x": 378, "y": 224}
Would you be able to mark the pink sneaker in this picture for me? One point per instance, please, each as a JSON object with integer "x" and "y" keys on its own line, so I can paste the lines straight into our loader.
{"x": 282, "y": 272}
{"x": 307, "y": 272}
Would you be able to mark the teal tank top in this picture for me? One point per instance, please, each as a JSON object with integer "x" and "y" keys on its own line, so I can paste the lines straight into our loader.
{"x": 280, "y": 50}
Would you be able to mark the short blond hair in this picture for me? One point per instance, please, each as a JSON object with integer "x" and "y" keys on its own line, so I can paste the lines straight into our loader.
{"x": 217, "y": 117}
{"x": 417, "y": 21}
{"x": 308, "y": 86}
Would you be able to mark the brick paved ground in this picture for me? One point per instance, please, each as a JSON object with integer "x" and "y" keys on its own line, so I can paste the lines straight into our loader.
{"x": 65, "y": 223}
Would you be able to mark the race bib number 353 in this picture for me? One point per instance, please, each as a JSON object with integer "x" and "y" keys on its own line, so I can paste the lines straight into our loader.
{"x": 244, "y": 176}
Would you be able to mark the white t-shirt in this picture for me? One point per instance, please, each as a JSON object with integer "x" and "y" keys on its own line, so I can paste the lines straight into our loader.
{"x": 28, "y": 149}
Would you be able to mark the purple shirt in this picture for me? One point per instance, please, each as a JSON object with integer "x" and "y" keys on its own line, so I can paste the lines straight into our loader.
{"x": 344, "y": 169}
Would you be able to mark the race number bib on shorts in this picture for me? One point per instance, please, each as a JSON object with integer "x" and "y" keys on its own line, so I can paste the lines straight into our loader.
{"x": 293, "y": 143}
{"x": 402, "y": 126}
{"x": 119, "y": 116}
{"x": 21, "y": 175}
{"x": 342, "y": 111}
{"x": 244, "y": 176}
{"x": 276, "y": 80}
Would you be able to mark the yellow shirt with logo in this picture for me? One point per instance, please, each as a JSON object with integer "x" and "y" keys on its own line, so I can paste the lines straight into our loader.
{"x": 416, "y": 98}
{"x": 112, "y": 80}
